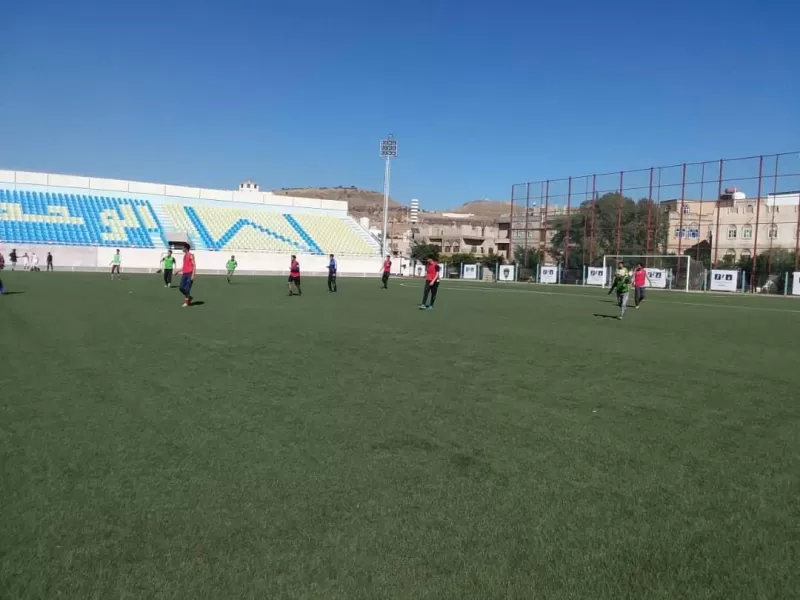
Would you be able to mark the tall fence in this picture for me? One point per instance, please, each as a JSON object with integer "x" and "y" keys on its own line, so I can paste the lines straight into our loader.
{"x": 740, "y": 214}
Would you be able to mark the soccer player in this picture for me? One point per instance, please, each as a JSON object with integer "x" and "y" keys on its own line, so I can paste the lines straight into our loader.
{"x": 49, "y": 261}
{"x": 431, "y": 284}
{"x": 231, "y": 267}
{"x": 332, "y": 274}
{"x": 13, "y": 258}
{"x": 25, "y": 262}
{"x": 622, "y": 285}
{"x": 387, "y": 270}
{"x": 187, "y": 276}
{"x": 116, "y": 262}
{"x": 294, "y": 277}
{"x": 168, "y": 265}
{"x": 640, "y": 278}
{"x": 2, "y": 266}
{"x": 35, "y": 262}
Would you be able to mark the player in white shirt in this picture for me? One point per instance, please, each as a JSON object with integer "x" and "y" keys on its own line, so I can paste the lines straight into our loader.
{"x": 34, "y": 262}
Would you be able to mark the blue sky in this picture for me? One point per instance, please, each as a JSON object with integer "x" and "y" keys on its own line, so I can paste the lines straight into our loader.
{"x": 479, "y": 95}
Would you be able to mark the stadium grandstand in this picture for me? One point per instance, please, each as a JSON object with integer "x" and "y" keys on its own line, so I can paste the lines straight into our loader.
{"x": 83, "y": 220}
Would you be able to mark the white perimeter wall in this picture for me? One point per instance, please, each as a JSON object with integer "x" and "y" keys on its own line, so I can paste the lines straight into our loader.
{"x": 140, "y": 260}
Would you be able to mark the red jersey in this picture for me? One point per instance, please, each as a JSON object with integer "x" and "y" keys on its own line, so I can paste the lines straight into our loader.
{"x": 432, "y": 272}
{"x": 294, "y": 269}
{"x": 639, "y": 277}
{"x": 387, "y": 266}
{"x": 188, "y": 264}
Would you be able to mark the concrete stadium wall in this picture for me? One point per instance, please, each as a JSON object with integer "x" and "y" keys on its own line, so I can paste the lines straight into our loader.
{"x": 76, "y": 258}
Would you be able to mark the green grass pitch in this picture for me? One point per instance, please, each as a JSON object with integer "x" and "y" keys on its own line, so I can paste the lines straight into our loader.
{"x": 509, "y": 444}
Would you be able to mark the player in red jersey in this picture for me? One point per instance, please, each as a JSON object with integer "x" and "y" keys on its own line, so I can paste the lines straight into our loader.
{"x": 431, "y": 284}
{"x": 640, "y": 281}
{"x": 294, "y": 277}
{"x": 387, "y": 270}
{"x": 187, "y": 276}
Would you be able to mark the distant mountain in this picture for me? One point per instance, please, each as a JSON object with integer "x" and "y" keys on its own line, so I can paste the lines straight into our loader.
{"x": 368, "y": 203}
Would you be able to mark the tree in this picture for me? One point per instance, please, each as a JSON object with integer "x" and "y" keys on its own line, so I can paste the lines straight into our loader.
{"x": 492, "y": 259}
{"x": 421, "y": 252}
{"x": 527, "y": 257}
{"x": 462, "y": 257}
{"x": 593, "y": 229}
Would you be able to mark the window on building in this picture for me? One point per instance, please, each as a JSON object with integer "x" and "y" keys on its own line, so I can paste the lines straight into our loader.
{"x": 744, "y": 254}
{"x": 730, "y": 255}
{"x": 694, "y": 231}
{"x": 686, "y": 209}
{"x": 773, "y": 231}
{"x": 447, "y": 249}
{"x": 749, "y": 208}
{"x": 776, "y": 209}
{"x": 483, "y": 250}
{"x": 491, "y": 249}
{"x": 456, "y": 249}
{"x": 747, "y": 232}
{"x": 731, "y": 232}
{"x": 474, "y": 249}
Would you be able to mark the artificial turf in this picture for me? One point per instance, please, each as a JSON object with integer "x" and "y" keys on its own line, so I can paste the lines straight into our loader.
{"x": 512, "y": 443}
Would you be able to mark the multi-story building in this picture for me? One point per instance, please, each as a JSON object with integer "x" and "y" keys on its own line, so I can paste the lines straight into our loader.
{"x": 736, "y": 226}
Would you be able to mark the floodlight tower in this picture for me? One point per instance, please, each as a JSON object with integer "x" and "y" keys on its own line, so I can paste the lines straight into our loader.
{"x": 388, "y": 152}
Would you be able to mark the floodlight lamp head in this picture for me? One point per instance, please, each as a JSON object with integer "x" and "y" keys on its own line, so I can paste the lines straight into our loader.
{"x": 389, "y": 147}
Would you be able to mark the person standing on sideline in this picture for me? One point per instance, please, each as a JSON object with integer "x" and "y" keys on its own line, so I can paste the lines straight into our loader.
{"x": 387, "y": 270}
{"x": 168, "y": 266}
{"x": 622, "y": 285}
{"x": 35, "y": 262}
{"x": 431, "y": 284}
{"x": 2, "y": 266}
{"x": 49, "y": 260}
{"x": 13, "y": 258}
{"x": 294, "y": 277}
{"x": 26, "y": 262}
{"x": 231, "y": 267}
{"x": 331, "y": 274}
{"x": 187, "y": 276}
{"x": 640, "y": 281}
{"x": 116, "y": 263}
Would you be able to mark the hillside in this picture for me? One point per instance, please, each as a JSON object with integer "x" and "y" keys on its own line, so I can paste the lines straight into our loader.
{"x": 485, "y": 208}
{"x": 370, "y": 203}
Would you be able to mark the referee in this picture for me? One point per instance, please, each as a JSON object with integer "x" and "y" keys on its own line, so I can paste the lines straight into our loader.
{"x": 332, "y": 274}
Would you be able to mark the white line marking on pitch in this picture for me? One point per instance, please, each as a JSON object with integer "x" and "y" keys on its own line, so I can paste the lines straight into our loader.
{"x": 581, "y": 295}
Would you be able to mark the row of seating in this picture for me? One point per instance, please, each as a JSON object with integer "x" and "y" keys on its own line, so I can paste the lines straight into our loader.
{"x": 88, "y": 220}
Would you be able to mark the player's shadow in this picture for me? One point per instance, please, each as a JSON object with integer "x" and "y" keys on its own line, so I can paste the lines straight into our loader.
{"x": 197, "y": 303}
{"x": 598, "y": 315}
{"x": 12, "y": 293}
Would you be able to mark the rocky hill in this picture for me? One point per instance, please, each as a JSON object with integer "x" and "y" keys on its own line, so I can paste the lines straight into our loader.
{"x": 368, "y": 203}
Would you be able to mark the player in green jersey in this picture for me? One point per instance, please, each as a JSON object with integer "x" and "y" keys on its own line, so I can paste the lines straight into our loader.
{"x": 116, "y": 264}
{"x": 231, "y": 266}
{"x": 621, "y": 285}
{"x": 168, "y": 266}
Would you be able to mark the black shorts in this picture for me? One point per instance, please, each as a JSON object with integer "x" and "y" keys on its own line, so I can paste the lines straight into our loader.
{"x": 294, "y": 279}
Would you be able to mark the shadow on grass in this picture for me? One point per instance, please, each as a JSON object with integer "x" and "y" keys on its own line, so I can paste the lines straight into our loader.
{"x": 196, "y": 303}
{"x": 615, "y": 317}
{"x": 12, "y": 293}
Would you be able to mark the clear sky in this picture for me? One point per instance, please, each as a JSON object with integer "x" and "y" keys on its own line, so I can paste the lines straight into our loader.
{"x": 480, "y": 95}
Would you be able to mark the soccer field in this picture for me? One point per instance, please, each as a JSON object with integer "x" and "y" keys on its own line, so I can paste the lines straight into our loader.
{"x": 512, "y": 443}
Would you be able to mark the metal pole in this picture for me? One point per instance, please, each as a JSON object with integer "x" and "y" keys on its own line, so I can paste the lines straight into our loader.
{"x": 591, "y": 232}
{"x": 569, "y": 219}
{"x": 510, "y": 251}
{"x": 649, "y": 213}
{"x": 716, "y": 232}
{"x": 527, "y": 217}
{"x": 753, "y": 269}
{"x": 700, "y": 218}
{"x": 386, "y": 175}
{"x": 619, "y": 211}
{"x": 680, "y": 223}
{"x": 544, "y": 219}
{"x": 772, "y": 213}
